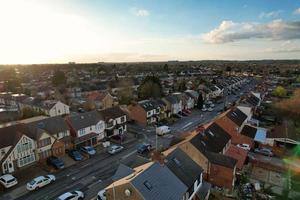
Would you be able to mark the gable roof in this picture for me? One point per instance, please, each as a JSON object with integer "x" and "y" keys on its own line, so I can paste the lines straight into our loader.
{"x": 112, "y": 113}
{"x": 220, "y": 159}
{"x": 148, "y": 105}
{"x": 237, "y": 116}
{"x": 214, "y": 139}
{"x": 122, "y": 172}
{"x": 10, "y": 135}
{"x": 159, "y": 183}
{"x": 237, "y": 153}
{"x": 183, "y": 167}
{"x": 83, "y": 120}
{"x": 52, "y": 125}
{"x": 249, "y": 131}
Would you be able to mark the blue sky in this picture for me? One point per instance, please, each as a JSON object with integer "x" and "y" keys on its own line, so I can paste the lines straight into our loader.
{"x": 39, "y": 31}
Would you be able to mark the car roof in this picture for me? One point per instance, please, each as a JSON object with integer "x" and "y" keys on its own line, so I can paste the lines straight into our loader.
{"x": 65, "y": 195}
{"x": 39, "y": 178}
{"x": 7, "y": 177}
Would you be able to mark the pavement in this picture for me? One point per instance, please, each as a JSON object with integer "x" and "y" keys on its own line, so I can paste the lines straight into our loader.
{"x": 93, "y": 174}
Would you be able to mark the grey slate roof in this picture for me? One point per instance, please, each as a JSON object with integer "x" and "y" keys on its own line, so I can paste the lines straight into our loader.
{"x": 183, "y": 167}
{"x": 112, "y": 113}
{"x": 237, "y": 116}
{"x": 214, "y": 139}
{"x": 158, "y": 183}
{"x": 148, "y": 105}
{"x": 84, "y": 120}
{"x": 10, "y": 135}
{"x": 52, "y": 125}
{"x": 122, "y": 172}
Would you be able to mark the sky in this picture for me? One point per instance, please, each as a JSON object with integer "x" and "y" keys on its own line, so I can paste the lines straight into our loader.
{"x": 60, "y": 31}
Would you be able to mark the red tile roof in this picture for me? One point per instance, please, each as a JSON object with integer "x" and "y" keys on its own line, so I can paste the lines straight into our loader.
{"x": 237, "y": 153}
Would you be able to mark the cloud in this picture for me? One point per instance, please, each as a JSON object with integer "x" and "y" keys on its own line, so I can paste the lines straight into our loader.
{"x": 229, "y": 31}
{"x": 297, "y": 11}
{"x": 272, "y": 14}
{"x": 140, "y": 12}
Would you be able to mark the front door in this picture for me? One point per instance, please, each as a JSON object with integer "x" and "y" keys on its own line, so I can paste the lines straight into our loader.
{"x": 9, "y": 167}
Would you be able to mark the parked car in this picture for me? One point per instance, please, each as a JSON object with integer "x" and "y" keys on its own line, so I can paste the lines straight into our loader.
{"x": 162, "y": 130}
{"x": 187, "y": 111}
{"x": 264, "y": 151}
{"x": 210, "y": 109}
{"x": 39, "y": 182}
{"x": 183, "y": 113}
{"x": 204, "y": 109}
{"x": 101, "y": 195}
{"x": 244, "y": 146}
{"x": 88, "y": 150}
{"x": 144, "y": 148}
{"x": 75, "y": 195}
{"x": 212, "y": 105}
{"x": 115, "y": 149}
{"x": 8, "y": 181}
{"x": 75, "y": 155}
{"x": 55, "y": 162}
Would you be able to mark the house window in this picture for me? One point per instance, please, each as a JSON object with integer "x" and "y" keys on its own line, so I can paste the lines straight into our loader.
{"x": 26, "y": 160}
{"x": 123, "y": 119}
{"x": 63, "y": 134}
{"x": 44, "y": 142}
{"x": 81, "y": 132}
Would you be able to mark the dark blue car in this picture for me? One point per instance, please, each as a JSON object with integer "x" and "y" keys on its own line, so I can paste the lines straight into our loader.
{"x": 144, "y": 148}
{"x": 55, "y": 162}
{"x": 75, "y": 155}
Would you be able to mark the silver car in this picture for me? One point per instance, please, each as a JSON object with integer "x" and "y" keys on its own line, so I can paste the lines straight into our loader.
{"x": 115, "y": 149}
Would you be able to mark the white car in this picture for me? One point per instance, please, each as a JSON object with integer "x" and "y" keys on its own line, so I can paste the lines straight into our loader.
{"x": 115, "y": 149}
{"x": 210, "y": 109}
{"x": 101, "y": 195}
{"x": 75, "y": 195}
{"x": 204, "y": 109}
{"x": 244, "y": 146}
{"x": 8, "y": 180}
{"x": 40, "y": 182}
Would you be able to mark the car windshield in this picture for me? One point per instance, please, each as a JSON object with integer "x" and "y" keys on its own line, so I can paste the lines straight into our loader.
{"x": 32, "y": 182}
{"x": 89, "y": 148}
{"x": 10, "y": 180}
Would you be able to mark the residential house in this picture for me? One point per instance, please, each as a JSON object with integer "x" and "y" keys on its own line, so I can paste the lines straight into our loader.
{"x": 163, "y": 109}
{"x": 145, "y": 112}
{"x": 115, "y": 121}
{"x": 52, "y": 136}
{"x": 16, "y": 148}
{"x": 49, "y": 107}
{"x": 86, "y": 128}
{"x": 232, "y": 127}
{"x": 194, "y": 95}
{"x": 174, "y": 104}
{"x": 147, "y": 182}
{"x": 102, "y": 99}
{"x": 189, "y": 172}
{"x": 206, "y": 148}
{"x": 188, "y": 102}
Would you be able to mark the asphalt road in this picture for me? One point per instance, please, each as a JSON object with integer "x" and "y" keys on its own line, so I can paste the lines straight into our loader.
{"x": 94, "y": 174}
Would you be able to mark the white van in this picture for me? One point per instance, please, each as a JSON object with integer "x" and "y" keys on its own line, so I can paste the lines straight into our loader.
{"x": 162, "y": 130}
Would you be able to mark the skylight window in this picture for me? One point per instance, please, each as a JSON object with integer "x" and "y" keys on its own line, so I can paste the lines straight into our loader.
{"x": 148, "y": 185}
{"x": 177, "y": 162}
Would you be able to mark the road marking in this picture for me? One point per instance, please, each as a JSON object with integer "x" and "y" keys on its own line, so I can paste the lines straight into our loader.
{"x": 187, "y": 125}
{"x": 129, "y": 154}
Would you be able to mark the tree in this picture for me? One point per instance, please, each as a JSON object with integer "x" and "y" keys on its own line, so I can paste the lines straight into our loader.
{"x": 298, "y": 79}
{"x": 290, "y": 108}
{"x": 59, "y": 78}
{"x": 200, "y": 101}
{"x": 166, "y": 68}
{"x": 28, "y": 112}
{"x": 182, "y": 86}
{"x": 125, "y": 95}
{"x": 279, "y": 92}
{"x": 150, "y": 88}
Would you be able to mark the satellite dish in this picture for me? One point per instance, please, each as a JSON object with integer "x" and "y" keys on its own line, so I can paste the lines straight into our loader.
{"x": 127, "y": 192}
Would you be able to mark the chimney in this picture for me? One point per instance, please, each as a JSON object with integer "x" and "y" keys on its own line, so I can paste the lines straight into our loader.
{"x": 157, "y": 156}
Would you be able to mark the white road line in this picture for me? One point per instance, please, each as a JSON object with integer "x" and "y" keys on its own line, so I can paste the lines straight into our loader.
{"x": 129, "y": 154}
{"x": 187, "y": 125}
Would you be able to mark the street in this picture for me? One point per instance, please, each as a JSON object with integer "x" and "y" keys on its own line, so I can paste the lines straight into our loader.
{"x": 94, "y": 174}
